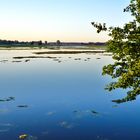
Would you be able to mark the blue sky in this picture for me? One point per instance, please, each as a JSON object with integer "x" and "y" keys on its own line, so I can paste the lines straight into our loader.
{"x": 66, "y": 20}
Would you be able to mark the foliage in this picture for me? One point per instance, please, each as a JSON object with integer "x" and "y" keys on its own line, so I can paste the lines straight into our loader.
{"x": 125, "y": 47}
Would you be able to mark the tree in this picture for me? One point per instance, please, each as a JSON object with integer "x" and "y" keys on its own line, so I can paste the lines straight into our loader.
{"x": 125, "y": 48}
{"x": 40, "y": 43}
{"x": 58, "y": 43}
{"x": 46, "y": 42}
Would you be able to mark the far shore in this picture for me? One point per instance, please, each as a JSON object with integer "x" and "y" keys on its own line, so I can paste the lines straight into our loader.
{"x": 60, "y": 50}
{"x": 92, "y": 47}
{"x": 41, "y": 51}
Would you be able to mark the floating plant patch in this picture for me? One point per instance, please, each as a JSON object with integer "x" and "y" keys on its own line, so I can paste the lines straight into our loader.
{"x": 27, "y": 137}
{"x": 27, "y": 60}
{"x": 3, "y": 61}
{"x": 95, "y": 113}
{"x": 7, "y": 99}
{"x": 22, "y": 106}
{"x": 26, "y": 57}
{"x": 16, "y": 61}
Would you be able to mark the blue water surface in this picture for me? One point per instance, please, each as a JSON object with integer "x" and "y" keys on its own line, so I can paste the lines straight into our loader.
{"x": 63, "y": 99}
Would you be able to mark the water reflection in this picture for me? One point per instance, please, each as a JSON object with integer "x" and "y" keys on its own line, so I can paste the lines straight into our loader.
{"x": 66, "y": 124}
{"x": 48, "y": 100}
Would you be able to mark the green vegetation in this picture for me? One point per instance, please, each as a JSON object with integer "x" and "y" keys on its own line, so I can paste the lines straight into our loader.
{"x": 9, "y": 44}
{"x": 97, "y": 47}
{"x": 125, "y": 46}
{"x": 7, "y": 99}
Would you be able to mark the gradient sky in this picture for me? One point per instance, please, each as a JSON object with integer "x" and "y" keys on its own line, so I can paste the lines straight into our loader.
{"x": 66, "y": 20}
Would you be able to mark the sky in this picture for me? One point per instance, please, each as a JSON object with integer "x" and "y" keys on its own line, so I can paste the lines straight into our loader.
{"x": 65, "y": 20}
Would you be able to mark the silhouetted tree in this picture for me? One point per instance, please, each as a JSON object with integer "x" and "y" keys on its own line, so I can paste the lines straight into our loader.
{"x": 58, "y": 43}
{"x": 46, "y": 43}
{"x": 40, "y": 43}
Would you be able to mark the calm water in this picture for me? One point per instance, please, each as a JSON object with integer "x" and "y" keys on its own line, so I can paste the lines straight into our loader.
{"x": 62, "y": 98}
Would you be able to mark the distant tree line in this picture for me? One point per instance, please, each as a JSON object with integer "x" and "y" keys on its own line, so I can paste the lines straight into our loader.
{"x": 58, "y": 43}
{"x": 21, "y": 43}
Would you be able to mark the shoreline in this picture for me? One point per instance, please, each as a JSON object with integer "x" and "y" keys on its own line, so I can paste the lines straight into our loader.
{"x": 54, "y": 48}
{"x": 39, "y": 51}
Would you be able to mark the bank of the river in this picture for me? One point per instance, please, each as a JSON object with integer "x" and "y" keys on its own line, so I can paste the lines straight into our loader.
{"x": 94, "y": 47}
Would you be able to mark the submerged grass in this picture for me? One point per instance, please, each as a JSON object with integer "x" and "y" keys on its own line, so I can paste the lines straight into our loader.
{"x": 22, "y": 57}
{"x": 70, "y": 51}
